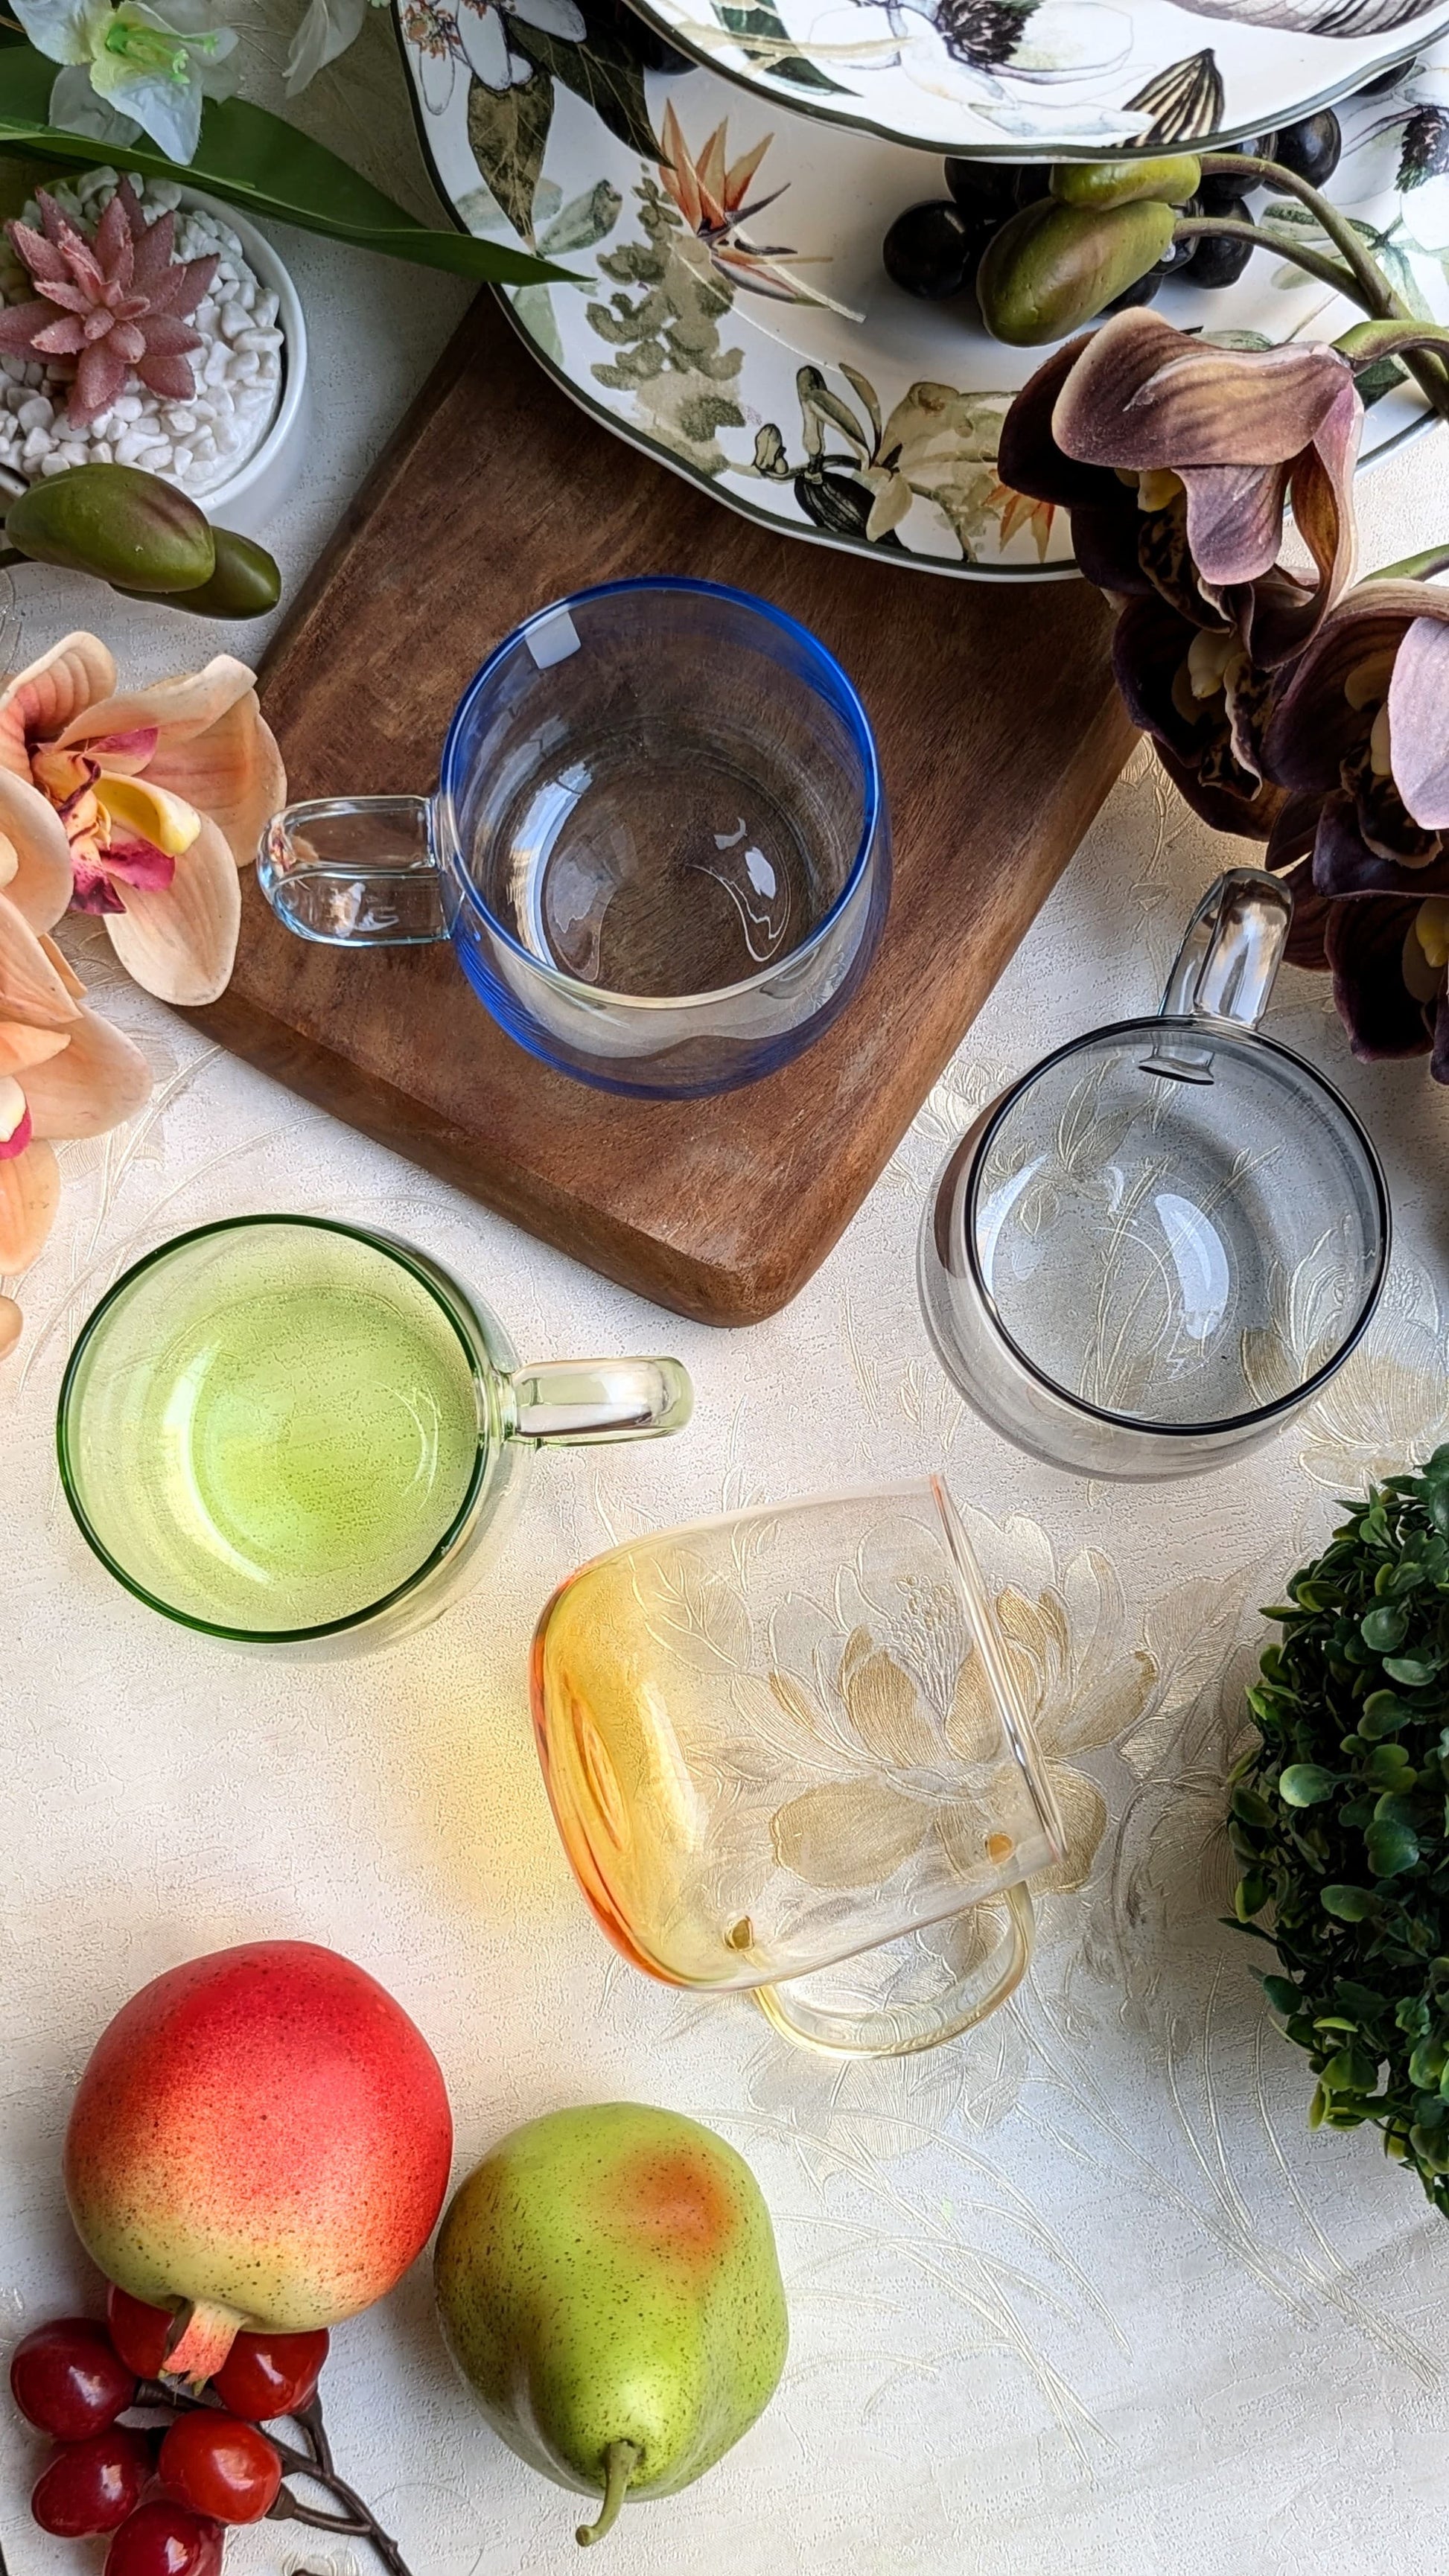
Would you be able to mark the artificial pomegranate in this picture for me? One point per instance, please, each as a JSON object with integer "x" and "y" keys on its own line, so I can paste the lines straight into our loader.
{"x": 261, "y": 2139}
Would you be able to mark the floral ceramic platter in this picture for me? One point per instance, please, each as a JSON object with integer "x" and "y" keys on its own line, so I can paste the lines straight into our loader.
{"x": 732, "y": 316}
{"x": 1024, "y": 78}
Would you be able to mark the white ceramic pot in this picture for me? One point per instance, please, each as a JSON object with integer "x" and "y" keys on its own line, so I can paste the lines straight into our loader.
{"x": 248, "y": 499}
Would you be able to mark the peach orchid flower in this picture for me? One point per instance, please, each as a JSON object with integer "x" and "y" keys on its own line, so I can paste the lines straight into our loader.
{"x": 64, "y": 1071}
{"x": 136, "y": 804}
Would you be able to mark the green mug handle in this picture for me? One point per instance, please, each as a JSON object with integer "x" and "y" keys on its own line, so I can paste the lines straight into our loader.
{"x": 903, "y": 2030}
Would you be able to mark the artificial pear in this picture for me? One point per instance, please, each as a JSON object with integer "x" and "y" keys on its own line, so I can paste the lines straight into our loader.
{"x": 609, "y": 2287}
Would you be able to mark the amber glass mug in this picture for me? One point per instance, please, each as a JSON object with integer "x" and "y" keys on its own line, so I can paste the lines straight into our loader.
{"x": 778, "y": 1741}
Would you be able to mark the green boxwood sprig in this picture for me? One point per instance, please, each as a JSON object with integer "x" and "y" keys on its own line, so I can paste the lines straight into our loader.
{"x": 1339, "y": 1816}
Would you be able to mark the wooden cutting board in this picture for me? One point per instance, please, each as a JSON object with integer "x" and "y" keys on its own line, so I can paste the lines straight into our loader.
{"x": 999, "y": 731}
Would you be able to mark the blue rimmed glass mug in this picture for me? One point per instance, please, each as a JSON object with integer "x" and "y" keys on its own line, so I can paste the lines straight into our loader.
{"x": 659, "y": 842}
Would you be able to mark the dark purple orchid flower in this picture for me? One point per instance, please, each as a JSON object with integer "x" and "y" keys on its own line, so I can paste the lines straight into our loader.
{"x": 1359, "y": 739}
{"x": 1177, "y": 459}
{"x": 1195, "y": 691}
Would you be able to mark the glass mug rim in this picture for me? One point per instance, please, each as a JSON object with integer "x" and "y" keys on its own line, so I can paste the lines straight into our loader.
{"x": 454, "y": 766}
{"x": 1016, "y": 1723}
{"x": 392, "y": 1250}
{"x": 1225, "y": 1032}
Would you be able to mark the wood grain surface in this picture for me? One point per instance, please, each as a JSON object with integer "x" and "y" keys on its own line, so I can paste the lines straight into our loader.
{"x": 1000, "y": 734}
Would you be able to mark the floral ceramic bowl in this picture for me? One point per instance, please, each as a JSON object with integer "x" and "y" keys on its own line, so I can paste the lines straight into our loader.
{"x": 733, "y": 318}
{"x": 1023, "y": 77}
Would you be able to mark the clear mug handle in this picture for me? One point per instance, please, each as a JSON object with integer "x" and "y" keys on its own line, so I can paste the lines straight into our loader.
{"x": 355, "y": 872}
{"x": 1225, "y": 969}
{"x": 578, "y": 1404}
{"x": 903, "y": 2030}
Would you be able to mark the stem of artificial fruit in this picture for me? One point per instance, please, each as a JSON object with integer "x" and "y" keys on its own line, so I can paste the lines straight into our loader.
{"x": 1229, "y": 228}
{"x": 620, "y": 2461}
{"x": 1420, "y": 567}
{"x": 356, "y": 2521}
{"x": 1373, "y": 285}
{"x": 1373, "y": 289}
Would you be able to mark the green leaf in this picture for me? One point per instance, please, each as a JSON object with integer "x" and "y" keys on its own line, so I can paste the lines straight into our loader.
{"x": 1351, "y": 2071}
{"x": 600, "y": 72}
{"x": 1415, "y": 1672}
{"x": 1303, "y": 1784}
{"x": 508, "y": 130}
{"x": 1246, "y": 1804}
{"x": 1391, "y": 1847}
{"x": 1250, "y": 1895}
{"x": 1349, "y": 1904}
{"x": 255, "y": 161}
{"x": 1282, "y": 1994}
{"x": 1427, "y": 2064}
{"x": 1382, "y": 1713}
{"x": 1385, "y": 1628}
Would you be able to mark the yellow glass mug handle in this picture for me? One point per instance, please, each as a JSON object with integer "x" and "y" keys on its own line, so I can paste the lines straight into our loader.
{"x": 903, "y": 2030}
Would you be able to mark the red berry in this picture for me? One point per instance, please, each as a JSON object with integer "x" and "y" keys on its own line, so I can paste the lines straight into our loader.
{"x": 92, "y": 2485}
{"x": 221, "y": 2466}
{"x": 163, "y": 2539}
{"x": 271, "y": 2374}
{"x": 67, "y": 2379}
{"x": 140, "y": 2334}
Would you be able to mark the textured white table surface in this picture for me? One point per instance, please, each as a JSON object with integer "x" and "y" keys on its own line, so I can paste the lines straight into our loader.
{"x": 1080, "y": 2292}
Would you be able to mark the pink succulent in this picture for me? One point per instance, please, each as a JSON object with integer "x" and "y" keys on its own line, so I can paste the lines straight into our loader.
{"x": 115, "y": 305}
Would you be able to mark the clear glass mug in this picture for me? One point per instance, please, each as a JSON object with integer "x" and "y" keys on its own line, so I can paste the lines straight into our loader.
{"x": 295, "y": 1434}
{"x": 780, "y": 1740}
{"x": 1164, "y": 1240}
{"x": 659, "y": 842}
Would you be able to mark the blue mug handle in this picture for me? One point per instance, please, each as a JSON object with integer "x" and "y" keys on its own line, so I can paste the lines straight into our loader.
{"x": 356, "y": 872}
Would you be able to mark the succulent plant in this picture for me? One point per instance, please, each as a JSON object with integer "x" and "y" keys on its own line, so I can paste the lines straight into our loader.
{"x": 109, "y": 306}
{"x": 1338, "y": 1817}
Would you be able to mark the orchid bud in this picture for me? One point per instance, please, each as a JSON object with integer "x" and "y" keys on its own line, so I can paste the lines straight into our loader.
{"x": 1054, "y": 267}
{"x": 245, "y": 583}
{"x": 1174, "y": 176}
{"x": 118, "y": 523}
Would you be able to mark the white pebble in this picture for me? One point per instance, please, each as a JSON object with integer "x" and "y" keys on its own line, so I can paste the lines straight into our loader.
{"x": 198, "y": 442}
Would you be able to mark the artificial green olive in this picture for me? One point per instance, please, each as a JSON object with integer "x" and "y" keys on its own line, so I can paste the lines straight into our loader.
{"x": 246, "y": 582}
{"x": 1174, "y": 178}
{"x": 114, "y": 521}
{"x": 1054, "y": 267}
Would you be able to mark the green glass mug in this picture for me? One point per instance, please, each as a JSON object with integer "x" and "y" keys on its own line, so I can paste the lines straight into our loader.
{"x": 291, "y": 1433}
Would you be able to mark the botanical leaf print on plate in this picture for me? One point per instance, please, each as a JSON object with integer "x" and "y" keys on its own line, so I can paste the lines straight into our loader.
{"x": 731, "y": 314}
